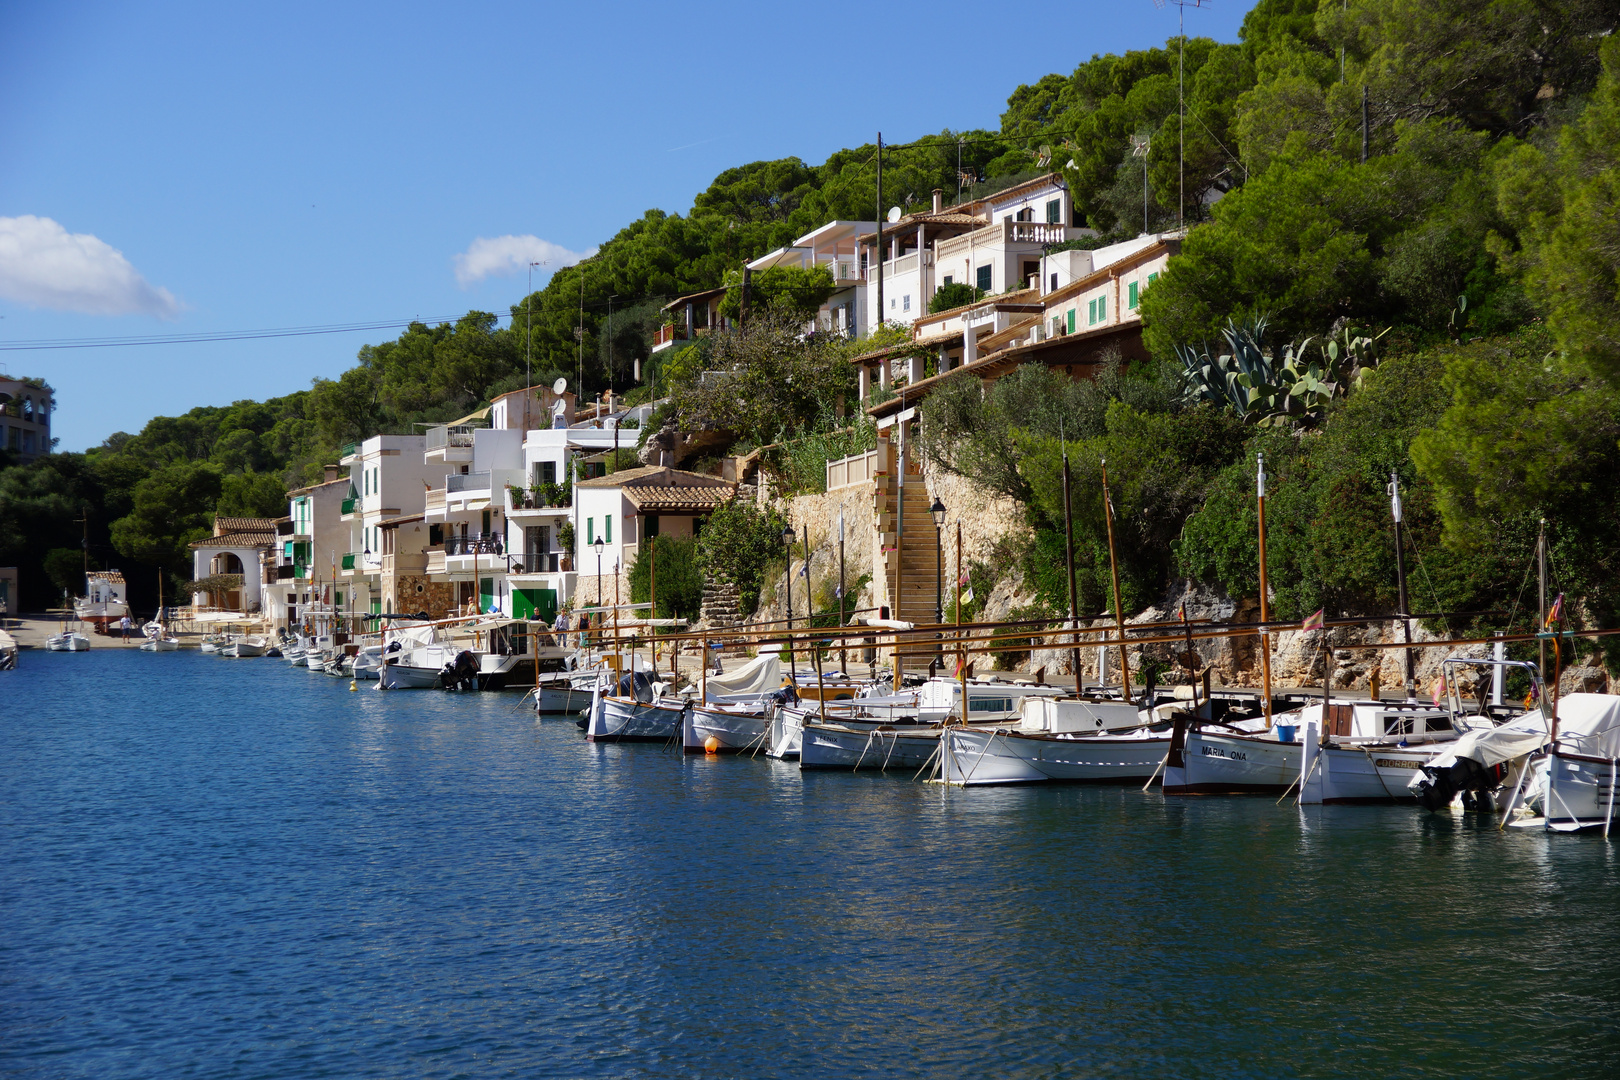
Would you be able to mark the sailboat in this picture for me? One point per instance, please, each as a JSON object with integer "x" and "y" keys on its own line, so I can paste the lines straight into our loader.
{"x": 158, "y": 638}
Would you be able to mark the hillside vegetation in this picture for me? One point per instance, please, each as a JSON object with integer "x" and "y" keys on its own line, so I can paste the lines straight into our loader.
{"x": 1465, "y": 274}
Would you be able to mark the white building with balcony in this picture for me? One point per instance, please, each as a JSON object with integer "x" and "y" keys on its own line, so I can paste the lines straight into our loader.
{"x": 310, "y": 543}
{"x": 836, "y": 248}
{"x": 995, "y": 244}
{"x": 388, "y": 478}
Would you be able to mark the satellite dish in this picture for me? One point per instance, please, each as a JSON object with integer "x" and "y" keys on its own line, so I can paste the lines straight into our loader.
{"x": 894, "y": 214}
{"x": 559, "y": 386}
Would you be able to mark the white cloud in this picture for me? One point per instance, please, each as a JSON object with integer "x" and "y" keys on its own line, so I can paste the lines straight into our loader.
{"x": 44, "y": 265}
{"x": 503, "y": 256}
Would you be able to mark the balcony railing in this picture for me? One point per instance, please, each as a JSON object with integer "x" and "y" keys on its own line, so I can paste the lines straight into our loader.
{"x": 440, "y": 437}
{"x": 347, "y": 451}
{"x": 348, "y": 507}
{"x": 543, "y": 496}
{"x": 474, "y": 481}
{"x": 348, "y": 560}
{"x": 537, "y": 564}
{"x": 486, "y": 544}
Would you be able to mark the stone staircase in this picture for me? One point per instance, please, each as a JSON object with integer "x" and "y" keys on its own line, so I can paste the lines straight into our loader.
{"x": 908, "y": 542}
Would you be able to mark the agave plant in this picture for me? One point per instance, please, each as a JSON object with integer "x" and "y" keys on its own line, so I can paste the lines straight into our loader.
{"x": 1291, "y": 384}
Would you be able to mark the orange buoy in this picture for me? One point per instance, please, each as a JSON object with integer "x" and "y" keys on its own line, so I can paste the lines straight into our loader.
{"x": 712, "y": 744}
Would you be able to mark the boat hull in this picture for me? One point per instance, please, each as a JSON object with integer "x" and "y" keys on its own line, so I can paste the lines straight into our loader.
{"x": 1580, "y": 792}
{"x": 621, "y": 719}
{"x": 987, "y": 756}
{"x": 734, "y": 730}
{"x": 402, "y": 677}
{"x": 881, "y": 748}
{"x": 1213, "y": 763}
{"x": 1367, "y": 775}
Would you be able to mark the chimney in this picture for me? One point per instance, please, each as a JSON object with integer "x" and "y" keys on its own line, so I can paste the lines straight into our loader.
{"x": 331, "y": 473}
{"x": 939, "y": 199}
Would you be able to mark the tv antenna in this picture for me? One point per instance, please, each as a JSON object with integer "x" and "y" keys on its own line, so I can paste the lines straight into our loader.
{"x": 1181, "y": 101}
{"x": 1140, "y": 144}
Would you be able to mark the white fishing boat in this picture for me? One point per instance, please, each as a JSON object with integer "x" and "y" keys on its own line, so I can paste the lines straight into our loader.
{"x": 242, "y": 648}
{"x": 1097, "y": 741}
{"x": 1581, "y": 765}
{"x": 158, "y": 638}
{"x": 480, "y": 653}
{"x": 1562, "y": 781}
{"x": 367, "y": 662}
{"x": 104, "y": 601}
{"x": 211, "y": 644}
{"x": 888, "y": 732}
{"x": 67, "y": 641}
{"x": 640, "y": 710}
{"x": 735, "y": 714}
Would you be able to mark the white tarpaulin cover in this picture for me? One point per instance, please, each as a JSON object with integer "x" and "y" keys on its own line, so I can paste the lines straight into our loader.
{"x": 1587, "y": 724}
{"x": 758, "y": 677}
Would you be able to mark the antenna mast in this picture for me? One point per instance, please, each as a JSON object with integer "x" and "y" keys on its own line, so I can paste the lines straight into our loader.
{"x": 1181, "y": 102}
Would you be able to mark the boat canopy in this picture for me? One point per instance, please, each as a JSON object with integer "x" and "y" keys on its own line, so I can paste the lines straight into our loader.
{"x": 758, "y": 677}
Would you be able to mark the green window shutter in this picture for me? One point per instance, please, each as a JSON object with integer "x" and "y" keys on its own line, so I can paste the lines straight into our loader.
{"x": 1091, "y": 313}
{"x": 1071, "y": 320}
{"x": 1054, "y": 212}
{"x": 1134, "y": 296}
{"x": 590, "y": 530}
{"x": 984, "y": 277}
{"x": 1153, "y": 277}
{"x": 1102, "y": 308}
{"x": 607, "y": 528}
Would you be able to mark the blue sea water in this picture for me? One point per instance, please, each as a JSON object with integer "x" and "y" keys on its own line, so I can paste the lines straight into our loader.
{"x": 218, "y": 868}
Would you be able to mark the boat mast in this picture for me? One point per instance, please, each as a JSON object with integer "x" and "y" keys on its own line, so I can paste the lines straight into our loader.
{"x": 1400, "y": 579}
{"x": 1265, "y": 639}
{"x": 1068, "y": 554}
{"x": 1113, "y": 565}
{"x": 1541, "y": 594}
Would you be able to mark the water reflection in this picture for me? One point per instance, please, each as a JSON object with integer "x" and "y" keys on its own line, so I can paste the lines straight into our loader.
{"x": 216, "y": 866}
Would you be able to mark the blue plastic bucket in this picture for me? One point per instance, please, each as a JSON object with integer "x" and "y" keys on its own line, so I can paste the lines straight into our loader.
{"x": 1285, "y": 732}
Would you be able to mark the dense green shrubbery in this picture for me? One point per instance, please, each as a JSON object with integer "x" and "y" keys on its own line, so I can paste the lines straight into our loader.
{"x": 738, "y": 543}
{"x": 680, "y": 582}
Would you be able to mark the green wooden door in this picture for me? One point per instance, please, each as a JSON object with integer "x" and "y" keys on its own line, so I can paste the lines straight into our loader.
{"x": 535, "y": 604}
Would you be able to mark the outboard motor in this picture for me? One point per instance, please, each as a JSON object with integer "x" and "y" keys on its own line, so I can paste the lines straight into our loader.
{"x": 788, "y": 695}
{"x": 462, "y": 673}
{"x": 1465, "y": 776}
{"x": 636, "y": 686}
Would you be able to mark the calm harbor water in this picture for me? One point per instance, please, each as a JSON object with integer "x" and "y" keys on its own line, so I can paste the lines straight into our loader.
{"x": 237, "y": 869}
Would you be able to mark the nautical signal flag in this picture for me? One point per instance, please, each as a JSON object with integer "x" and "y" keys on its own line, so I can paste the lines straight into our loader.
{"x": 1556, "y": 612}
{"x": 961, "y": 662}
{"x": 1439, "y": 690}
{"x": 1315, "y": 622}
{"x": 1181, "y": 612}
{"x": 967, "y": 597}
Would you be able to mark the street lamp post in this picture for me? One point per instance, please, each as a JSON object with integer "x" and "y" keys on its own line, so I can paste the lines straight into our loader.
{"x": 938, "y": 513}
{"x": 598, "y": 544}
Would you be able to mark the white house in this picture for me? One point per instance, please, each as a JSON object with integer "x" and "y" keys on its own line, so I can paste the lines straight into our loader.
{"x": 240, "y": 547}
{"x": 623, "y": 509}
{"x": 836, "y": 247}
{"x": 387, "y": 478}
{"x": 995, "y": 243}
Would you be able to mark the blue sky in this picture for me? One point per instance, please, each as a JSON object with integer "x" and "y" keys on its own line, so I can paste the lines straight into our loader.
{"x": 195, "y": 168}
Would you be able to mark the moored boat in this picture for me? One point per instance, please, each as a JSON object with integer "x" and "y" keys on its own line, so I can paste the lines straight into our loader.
{"x": 1099, "y": 741}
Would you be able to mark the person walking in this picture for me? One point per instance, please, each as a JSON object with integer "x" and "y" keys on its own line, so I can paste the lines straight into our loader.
{"x": 124, "y": 624}
{"x": 560, "y": 637}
